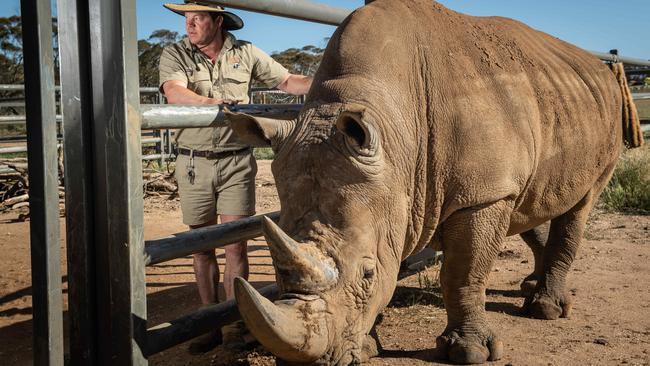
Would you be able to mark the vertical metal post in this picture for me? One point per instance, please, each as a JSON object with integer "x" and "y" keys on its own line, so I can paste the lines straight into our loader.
{"x": 121, "y": 301}
{"x": 76, "y": 107}
{"x": 43, "y": 181}
{"x": 161, "y": 144}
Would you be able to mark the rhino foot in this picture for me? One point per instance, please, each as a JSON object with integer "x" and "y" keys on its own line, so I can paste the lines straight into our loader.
{"x": 544, "y": 306}
{"x": 528, "y": 285}
{"x": 468, "y": 349}
{"x": 371, "y": 348}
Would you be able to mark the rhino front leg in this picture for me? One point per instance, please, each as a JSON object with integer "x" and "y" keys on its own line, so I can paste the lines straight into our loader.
{"x": 471, "y": 240}
{"x": 535, "y": 239}
{"x": 550, "y": 300}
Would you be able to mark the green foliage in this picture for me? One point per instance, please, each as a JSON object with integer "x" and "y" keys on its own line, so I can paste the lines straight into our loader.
{"x": 629, "y": 188}
{"x": 302, "y": 61}
{"x": 263, "y": 153}
{"x": 149, "y": 51}
{"x": 11, "y": 50}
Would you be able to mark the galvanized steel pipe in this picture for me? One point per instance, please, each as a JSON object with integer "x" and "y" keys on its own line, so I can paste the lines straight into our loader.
{"x": 159, "y": 116}
{"x": 206, "y": 238}
{"x": 13, "y": 149}
{"x": 295, "y": 9}
{"x": 615, "y": 58}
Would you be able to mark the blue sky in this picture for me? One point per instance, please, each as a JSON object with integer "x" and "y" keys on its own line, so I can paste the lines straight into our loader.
{"x": 595, "y": 25}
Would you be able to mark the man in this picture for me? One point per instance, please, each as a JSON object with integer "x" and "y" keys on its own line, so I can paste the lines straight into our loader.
{"x": 215, "y": 171}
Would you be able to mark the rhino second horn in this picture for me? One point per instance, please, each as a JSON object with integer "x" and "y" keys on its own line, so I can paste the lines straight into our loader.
{"x": 306, "y": 263}
{"x": 293, "y": 330}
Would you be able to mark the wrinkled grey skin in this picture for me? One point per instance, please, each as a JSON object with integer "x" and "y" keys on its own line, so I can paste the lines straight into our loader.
{"x": 442, "y": 129}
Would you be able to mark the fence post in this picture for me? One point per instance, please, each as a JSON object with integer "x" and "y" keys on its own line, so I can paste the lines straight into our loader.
{"x": 118, "y": 208}
{"x": 43, "y": 182}
{"x": 76, "y": 108}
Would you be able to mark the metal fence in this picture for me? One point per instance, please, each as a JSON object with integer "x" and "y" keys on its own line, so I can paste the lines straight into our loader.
{"x": 102, "y": 121}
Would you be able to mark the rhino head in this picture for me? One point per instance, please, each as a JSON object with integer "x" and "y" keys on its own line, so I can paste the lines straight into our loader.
{"x": 339, "y": 242}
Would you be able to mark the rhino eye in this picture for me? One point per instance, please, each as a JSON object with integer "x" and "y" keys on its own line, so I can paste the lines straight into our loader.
{"x": 368, "y": 273}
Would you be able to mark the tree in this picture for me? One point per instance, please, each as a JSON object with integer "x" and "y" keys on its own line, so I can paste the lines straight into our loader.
{"x": 11, "y": 50}
{"x": 149, "y": 51}
{"x": 303, "y": 61}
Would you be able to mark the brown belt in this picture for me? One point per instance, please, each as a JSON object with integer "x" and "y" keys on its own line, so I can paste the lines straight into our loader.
{"x": 211, "y": 155}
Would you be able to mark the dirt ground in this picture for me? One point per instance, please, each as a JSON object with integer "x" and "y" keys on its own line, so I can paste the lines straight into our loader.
{"x": 610, "y": 281}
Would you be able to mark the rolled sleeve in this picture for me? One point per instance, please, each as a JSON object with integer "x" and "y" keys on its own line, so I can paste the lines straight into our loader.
{"x": 170, "y": 67}
{"x": 266, "y": 70}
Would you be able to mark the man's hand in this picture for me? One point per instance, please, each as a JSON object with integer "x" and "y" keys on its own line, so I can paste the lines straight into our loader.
{"x": 226, "y": 101}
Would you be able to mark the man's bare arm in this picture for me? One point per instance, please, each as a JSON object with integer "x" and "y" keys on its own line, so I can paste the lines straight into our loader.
{"x": 296, "y": 84}
{"x": 177, "y": 92}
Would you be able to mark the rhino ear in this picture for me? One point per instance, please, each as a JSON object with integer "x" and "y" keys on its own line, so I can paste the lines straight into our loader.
{"x": 359, "y": 135}
{"x": 260, "y": 131}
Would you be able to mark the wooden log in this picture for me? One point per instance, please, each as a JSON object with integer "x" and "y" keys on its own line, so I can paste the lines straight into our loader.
{"x": 161, "y": 185}
{"x": 19, "y": 205}
{"x": 17, "y": 199}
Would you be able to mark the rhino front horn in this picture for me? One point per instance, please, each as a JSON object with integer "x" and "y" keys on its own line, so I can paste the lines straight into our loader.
{"x": 301, "y": 266}
{"x": 294, "y": 330}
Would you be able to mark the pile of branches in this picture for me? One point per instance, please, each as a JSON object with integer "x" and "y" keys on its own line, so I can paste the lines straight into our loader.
{"x": 159, "y": 184}
{"x": 14, "y": 187}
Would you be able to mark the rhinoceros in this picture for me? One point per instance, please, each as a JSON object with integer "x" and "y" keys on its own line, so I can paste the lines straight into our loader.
{"x": 424, "y": 126}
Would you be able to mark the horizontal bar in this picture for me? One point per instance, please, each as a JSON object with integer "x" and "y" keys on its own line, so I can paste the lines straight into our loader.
{"x": 640, "y": 96}
{"x": 21, "y": 149}
{"x": 13, "y": 149}
{"x": 156, "y": 157}
{"x": 167, "y": 335}
{"x": 295, "y": 9}
{"x": 21, "y": 119}
{"x": 143, "y": 89}
{"x": 159, "y": 116}
{"x": 211, "y": 237}
{"x": 150, "y": 141}
{"x": 616, "y": 58}
{"x": 637, "y": 71}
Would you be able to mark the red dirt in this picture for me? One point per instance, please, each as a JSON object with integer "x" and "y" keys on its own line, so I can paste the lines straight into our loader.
{"x": 610, "y": 282}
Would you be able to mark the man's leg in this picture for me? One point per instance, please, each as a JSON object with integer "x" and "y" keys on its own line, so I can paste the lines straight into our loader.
{"x": 236, "y": 260}
{"x": 206, "y": 272}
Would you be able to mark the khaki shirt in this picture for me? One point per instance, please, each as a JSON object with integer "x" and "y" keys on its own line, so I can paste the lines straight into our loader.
{"x": 228, "y": 78}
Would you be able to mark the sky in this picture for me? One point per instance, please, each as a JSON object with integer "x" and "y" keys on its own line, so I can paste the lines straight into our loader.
{"x": 595, "y": 25}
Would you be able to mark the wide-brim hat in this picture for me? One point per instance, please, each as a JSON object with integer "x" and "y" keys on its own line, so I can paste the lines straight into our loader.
{"x": 230, "y": 20}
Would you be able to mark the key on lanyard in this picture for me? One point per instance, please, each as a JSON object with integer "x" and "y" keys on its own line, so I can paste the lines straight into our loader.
{"x": 190, "y": 168}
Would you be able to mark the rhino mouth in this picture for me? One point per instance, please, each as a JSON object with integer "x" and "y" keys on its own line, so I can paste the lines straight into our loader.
{"x": 295, "y": 327}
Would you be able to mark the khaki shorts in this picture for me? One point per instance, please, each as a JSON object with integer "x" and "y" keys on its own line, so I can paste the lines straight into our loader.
{"x": 224, "y": 186}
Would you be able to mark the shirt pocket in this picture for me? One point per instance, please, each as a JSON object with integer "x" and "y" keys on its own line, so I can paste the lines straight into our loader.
{"x": 200, "y": 83}
{"x": 236, "y": 84}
